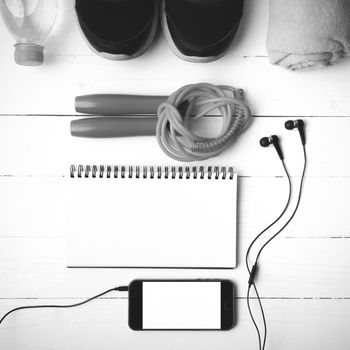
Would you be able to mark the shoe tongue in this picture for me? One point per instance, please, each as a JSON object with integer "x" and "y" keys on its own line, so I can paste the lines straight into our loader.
{"x": 118, "y": 2}
{"x": 115, "y": 20}
{"x": 205, "y": 2}
{"x": 112, "y": 1}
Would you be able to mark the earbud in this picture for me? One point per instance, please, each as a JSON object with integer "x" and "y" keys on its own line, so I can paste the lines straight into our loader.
{"x": 272, "y": 140}
{"x": 292, "y": 124}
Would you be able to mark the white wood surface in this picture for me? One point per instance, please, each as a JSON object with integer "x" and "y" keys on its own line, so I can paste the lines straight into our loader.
{"x": 304, "y": 279}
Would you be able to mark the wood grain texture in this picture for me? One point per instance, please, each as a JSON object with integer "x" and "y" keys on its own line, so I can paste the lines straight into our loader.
{"x": 43, "y": 207}
{"x": 42, "y": 146}
{"x": 72, "y": 69}
{"x": 291, "y": 268}
{"x": 304, "y": 276}
{"x": 302, "y": 324}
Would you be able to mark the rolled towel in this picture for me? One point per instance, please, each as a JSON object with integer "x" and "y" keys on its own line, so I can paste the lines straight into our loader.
{"x": 308, "y": 34}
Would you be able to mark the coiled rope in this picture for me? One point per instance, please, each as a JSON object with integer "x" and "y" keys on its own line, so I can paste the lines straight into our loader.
{"x": 174, "y": 133}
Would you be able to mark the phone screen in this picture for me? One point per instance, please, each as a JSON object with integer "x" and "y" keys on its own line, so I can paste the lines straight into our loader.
{"x": 181, "y": 305}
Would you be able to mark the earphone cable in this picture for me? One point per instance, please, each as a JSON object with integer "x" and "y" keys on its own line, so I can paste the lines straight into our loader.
{"x": 120, "y": 289}
{"x": 252, "y": 316}
{"x": 274, "y": 222}
{"x": 274, "y": 236}
{"x": 262, "y": 314}
{"x": 252, "y": 271}
{"x": 262, "y": 345}
{"x": 294, "y": 212}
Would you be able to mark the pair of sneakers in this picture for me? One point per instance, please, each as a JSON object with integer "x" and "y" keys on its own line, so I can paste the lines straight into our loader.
{"x": 196, "y": 30}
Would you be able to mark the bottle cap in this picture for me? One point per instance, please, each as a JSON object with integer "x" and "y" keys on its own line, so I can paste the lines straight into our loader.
{"x": 27, "y": 54}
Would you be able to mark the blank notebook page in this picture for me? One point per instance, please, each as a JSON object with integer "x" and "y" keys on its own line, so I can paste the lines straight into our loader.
{"x": 149, "y": 219}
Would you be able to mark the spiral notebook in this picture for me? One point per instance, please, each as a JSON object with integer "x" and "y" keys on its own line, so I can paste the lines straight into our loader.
{"x": 152, "y": 217}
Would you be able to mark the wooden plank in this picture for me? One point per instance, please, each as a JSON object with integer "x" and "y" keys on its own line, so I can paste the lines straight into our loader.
{"x": 303, "y": 274}
{"x": 34, "y": 206}
{"x": 52, "y": 91}
{"x": 301, "y": 324}
{"x": 290, "y": 268}
{"x": 72, "y": 69}
{"x": 43, "y": 146}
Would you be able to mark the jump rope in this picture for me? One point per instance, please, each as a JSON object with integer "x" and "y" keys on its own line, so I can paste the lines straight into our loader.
{"x": 176, "y": 139}
{"x": 173, "y": 119}
{"x": 174, "y": 134}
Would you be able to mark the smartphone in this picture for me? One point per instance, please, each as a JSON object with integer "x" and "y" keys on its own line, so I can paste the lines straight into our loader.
{"x": 181, "y": 305}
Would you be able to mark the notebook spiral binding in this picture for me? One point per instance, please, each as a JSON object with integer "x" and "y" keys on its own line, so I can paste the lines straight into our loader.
{"x": 152, "y": 172}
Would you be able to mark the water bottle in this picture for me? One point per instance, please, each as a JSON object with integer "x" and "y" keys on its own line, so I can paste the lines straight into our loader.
{"x": 30, "y": 22}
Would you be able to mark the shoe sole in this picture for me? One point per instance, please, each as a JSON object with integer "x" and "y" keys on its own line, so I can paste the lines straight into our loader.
{"x": 122, "y": 57}
{"x": 173, "y": 47}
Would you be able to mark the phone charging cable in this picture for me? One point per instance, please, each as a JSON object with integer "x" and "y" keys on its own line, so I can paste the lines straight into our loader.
{"x": 118, "y": 289}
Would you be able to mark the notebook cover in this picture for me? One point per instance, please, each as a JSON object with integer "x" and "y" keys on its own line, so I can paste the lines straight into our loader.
{"x": 183, "y": 220}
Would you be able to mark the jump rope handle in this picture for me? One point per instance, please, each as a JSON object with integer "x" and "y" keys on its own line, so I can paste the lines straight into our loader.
{"x": 137, "y": 115}
{"x": 114, "y": 105}
{"x": 107, "y": 127}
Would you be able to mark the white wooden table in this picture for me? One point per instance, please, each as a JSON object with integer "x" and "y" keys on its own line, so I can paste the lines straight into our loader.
{"x": 305, "y": 275}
